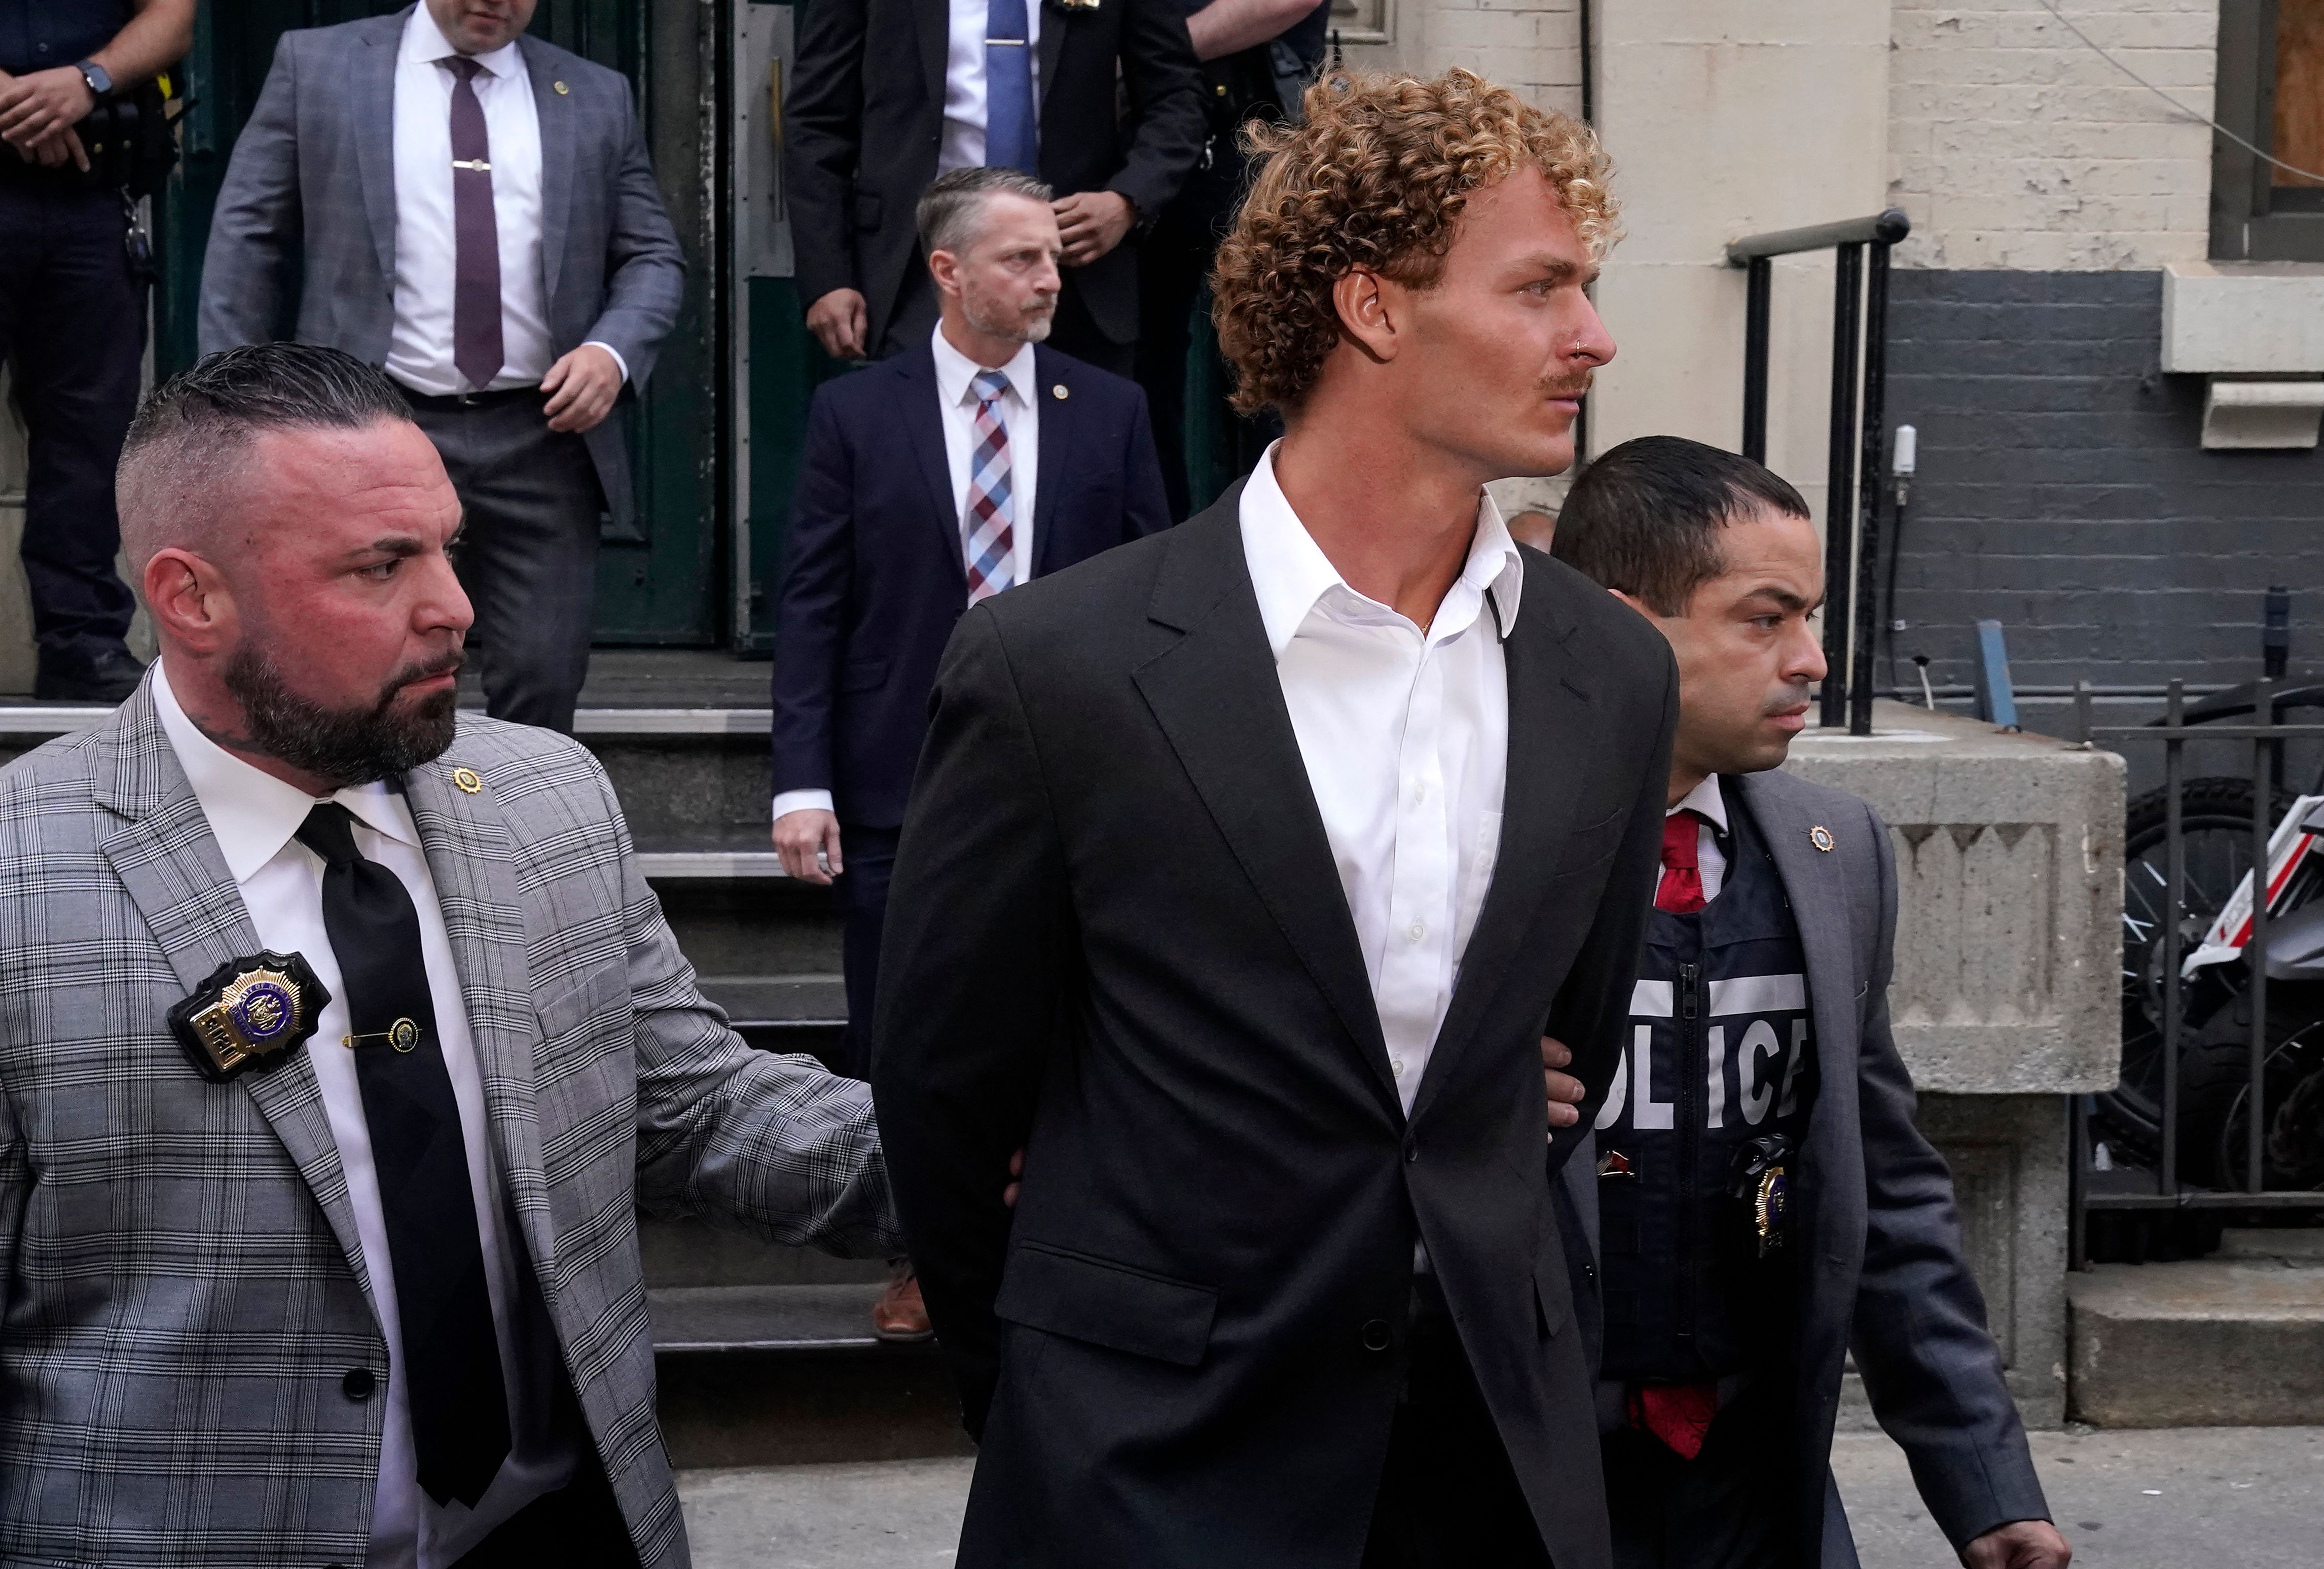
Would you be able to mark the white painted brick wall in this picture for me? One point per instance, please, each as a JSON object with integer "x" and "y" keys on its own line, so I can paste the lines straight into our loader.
{"x": 1532, "y": 45}
{"x": 2014, "y": 144}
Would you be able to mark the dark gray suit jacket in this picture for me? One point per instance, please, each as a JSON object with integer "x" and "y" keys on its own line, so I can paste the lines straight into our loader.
{"x": 310, "y": 197}
{"x": 1876, "y": 1229}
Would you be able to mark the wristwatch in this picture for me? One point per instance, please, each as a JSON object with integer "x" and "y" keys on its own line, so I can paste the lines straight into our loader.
{"x": 100, "y": 81}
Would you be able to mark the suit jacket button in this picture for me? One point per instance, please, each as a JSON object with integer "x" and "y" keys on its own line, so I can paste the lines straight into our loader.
{"x": 1376, "y": 1334}
{"x": 358, "y": 1384}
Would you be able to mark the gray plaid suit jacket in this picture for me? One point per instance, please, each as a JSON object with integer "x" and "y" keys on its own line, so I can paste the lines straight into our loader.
{"x": 182, "y": 1289}
{"x": 312, "y": 185}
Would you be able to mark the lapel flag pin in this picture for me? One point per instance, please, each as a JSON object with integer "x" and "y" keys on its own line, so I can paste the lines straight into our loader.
{"x": 1820, "y": 837}
{"x": 466, "y": 778}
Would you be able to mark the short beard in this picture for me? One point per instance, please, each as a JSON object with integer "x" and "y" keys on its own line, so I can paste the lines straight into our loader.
{"x": 340, "y": 746}
{"x": 1024, "y": 329}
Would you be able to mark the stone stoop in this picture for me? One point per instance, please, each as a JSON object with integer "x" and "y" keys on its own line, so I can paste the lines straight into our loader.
{"x": 2236, "y": 1340}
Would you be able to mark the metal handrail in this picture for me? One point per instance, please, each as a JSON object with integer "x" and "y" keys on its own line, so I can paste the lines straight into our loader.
{"x": 1859, "y": 337}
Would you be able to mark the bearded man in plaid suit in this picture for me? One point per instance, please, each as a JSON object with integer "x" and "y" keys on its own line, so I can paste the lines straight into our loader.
{"x": 339, "y": 1040}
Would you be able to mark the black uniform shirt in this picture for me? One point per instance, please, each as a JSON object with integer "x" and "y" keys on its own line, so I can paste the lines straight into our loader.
{"x": 41, "y": 34}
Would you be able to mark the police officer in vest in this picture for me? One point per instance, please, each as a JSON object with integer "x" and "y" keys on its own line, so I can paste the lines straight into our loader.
{"x": 1761, "y": 1199}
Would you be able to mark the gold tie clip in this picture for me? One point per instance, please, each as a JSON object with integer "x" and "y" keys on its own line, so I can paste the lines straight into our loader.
{"x": 403, "y": 1035}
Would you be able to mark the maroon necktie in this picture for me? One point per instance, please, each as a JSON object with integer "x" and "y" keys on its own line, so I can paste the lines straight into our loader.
{"x": 1681, "y": 889}
{"x": 475, "y": 235}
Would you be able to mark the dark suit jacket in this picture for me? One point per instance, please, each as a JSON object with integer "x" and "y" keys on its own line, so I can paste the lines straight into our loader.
{"x": 865, "y": 119}
{"x": 307, "y": 213}
{"x": 875, "y": 580}
{"x": 1116, "y": 935}
{"x": 1878, "y": 1238}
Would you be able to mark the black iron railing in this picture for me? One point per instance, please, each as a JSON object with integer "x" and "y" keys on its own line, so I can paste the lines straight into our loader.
{"x": 1859, "y": 375}
{"x": 2168, "y": 910}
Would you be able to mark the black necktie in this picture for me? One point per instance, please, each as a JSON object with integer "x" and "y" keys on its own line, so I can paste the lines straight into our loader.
{"x": 451, "y": 1361}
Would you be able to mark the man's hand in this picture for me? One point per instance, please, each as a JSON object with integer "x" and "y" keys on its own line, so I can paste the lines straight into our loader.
{"x": 840, "y": 320}
{"x": 1091, "y": 223}
{"x": 43, "y": 104}
{"x": 2019, "y": 1544}
{"x": 799, "y": 835}
{"x": 581, "y": 388}
{"x": 1016, "y": 1180}
{"x": 1565, "y": 1090}
{"x": 56, "y": 152}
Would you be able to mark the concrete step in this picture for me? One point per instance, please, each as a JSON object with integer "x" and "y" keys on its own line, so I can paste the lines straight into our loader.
{"x": 698, "y": 1320}
{"x": 2223, "y": 1341}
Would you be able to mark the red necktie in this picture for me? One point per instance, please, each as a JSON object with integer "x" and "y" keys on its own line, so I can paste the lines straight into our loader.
{"x": 1681, "y": 889}
{"x": 1678, "y": 1414}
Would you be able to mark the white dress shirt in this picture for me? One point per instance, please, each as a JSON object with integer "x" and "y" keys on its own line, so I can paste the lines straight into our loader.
{"x": 1405, "y": 734}
{"x": 419, "y": 345}
{"x": 1710, "y": 860}
{"x": 1021, "y": 411}
{"x": 963, "y": 106}
{"x": 253, "y": 816}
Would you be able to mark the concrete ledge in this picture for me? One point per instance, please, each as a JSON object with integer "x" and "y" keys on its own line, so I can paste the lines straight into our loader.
{"x": 2207, "y": 1344}
{"x": 2009, "y": 867}
{"x": 2243, "y": 317}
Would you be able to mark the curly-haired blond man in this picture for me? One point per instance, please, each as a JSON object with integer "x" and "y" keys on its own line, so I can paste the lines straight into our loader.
{"x": 1246, "y": 867}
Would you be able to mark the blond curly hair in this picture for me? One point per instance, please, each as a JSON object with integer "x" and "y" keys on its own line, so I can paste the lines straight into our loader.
{"x": 1377, "y": 175}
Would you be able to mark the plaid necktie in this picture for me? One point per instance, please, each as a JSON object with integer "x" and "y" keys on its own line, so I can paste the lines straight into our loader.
{"x": 989, "y": 528}
{"x": 476, "y": 349}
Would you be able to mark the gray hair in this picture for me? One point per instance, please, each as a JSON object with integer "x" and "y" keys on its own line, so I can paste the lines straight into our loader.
{"x": 952, "y": 209}
{"x": 194, "y": 430}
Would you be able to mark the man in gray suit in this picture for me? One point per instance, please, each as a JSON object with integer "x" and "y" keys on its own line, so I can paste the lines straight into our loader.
{"x": 340, "y": 1040}
{"x": 473, "y": 209}
{"x": 1758, "y": 1197}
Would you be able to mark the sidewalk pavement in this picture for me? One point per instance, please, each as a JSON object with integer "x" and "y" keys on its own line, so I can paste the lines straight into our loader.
{"x": 2160, "y": 1498}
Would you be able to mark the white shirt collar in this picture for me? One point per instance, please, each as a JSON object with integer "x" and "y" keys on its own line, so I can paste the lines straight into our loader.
{"x": 1289, "y": 571}
{"x": 425, "y": 42}
{"x": 253, "y": 814}
{"x": 956, "y": 372}
{"x": 1708, "y": 800}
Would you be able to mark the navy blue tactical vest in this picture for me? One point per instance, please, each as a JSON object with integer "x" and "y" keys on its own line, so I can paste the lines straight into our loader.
{"x": 1718, "y": 1063}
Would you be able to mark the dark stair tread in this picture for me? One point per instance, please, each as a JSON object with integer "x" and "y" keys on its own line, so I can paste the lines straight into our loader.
{"x": 690, "y": 1319}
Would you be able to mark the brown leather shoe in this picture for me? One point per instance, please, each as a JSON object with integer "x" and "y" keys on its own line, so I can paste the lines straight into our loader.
{"x": 899, "y": 1314}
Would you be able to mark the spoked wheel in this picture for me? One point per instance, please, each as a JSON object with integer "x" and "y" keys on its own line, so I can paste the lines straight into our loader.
{"x": 2216, "y": 818}
{"x": 2214, "y": 1094}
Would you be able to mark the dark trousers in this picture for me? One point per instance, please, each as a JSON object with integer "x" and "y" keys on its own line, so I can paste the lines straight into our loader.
{"x": 1448, "y": 1498}
{"x": 72, "y": 330}
{"x": 577, "y": 1527}
{"x": 1729, "y": 1507}
{"x": 528, "y": 551}
{"x": 869, "y": 856}
{"x": 1074, "y": 331}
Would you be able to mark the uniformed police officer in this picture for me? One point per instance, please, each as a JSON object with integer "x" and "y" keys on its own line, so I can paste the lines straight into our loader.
{"x": 72, "y": 313}
{"x": 1758, "y": 1131}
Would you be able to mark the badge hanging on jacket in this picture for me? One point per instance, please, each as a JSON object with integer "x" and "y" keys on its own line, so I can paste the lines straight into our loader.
{"x": 250, "y": 1013}
{"x": 1761, "y": 1181}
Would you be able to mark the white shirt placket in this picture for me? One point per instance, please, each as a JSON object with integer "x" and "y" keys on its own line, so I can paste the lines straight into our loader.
{"x": 1421, "y": 882}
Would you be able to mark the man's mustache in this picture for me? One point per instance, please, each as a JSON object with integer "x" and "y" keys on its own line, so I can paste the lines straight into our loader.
{"x": 449, "y": 664}
{"x": 1567, "y": 386}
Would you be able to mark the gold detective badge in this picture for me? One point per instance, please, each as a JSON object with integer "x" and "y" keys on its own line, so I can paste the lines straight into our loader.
{"x": 250, "y": 1013}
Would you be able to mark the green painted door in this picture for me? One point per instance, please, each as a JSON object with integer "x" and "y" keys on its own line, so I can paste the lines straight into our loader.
{"x": 663, "y": 582}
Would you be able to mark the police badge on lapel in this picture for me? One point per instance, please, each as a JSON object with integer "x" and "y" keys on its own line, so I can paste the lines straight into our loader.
{"x": 249, "y": 1014}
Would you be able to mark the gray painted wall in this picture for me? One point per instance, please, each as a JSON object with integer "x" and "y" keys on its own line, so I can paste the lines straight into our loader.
{"x": 2063, "y": 490}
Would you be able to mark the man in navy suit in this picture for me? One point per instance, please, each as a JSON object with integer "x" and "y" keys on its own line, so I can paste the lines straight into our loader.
{"x": 932, "y": 480}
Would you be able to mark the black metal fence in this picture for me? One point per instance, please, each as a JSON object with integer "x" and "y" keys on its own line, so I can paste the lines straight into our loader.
{"x": 2221, "y": 1105}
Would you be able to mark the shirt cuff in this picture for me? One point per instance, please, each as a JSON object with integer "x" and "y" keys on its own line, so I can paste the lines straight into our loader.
{"x": 619, "y": 362}
{"x": 791, "y": 801}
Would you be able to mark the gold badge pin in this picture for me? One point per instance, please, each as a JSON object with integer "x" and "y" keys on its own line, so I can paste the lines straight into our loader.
{"x": 1820, "y": 837}
{"x": 1059, "y": 392}
{"x": 561, "y": 88}
{"x": 466, "y": 778}
{"x": 249, "y": 1013}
